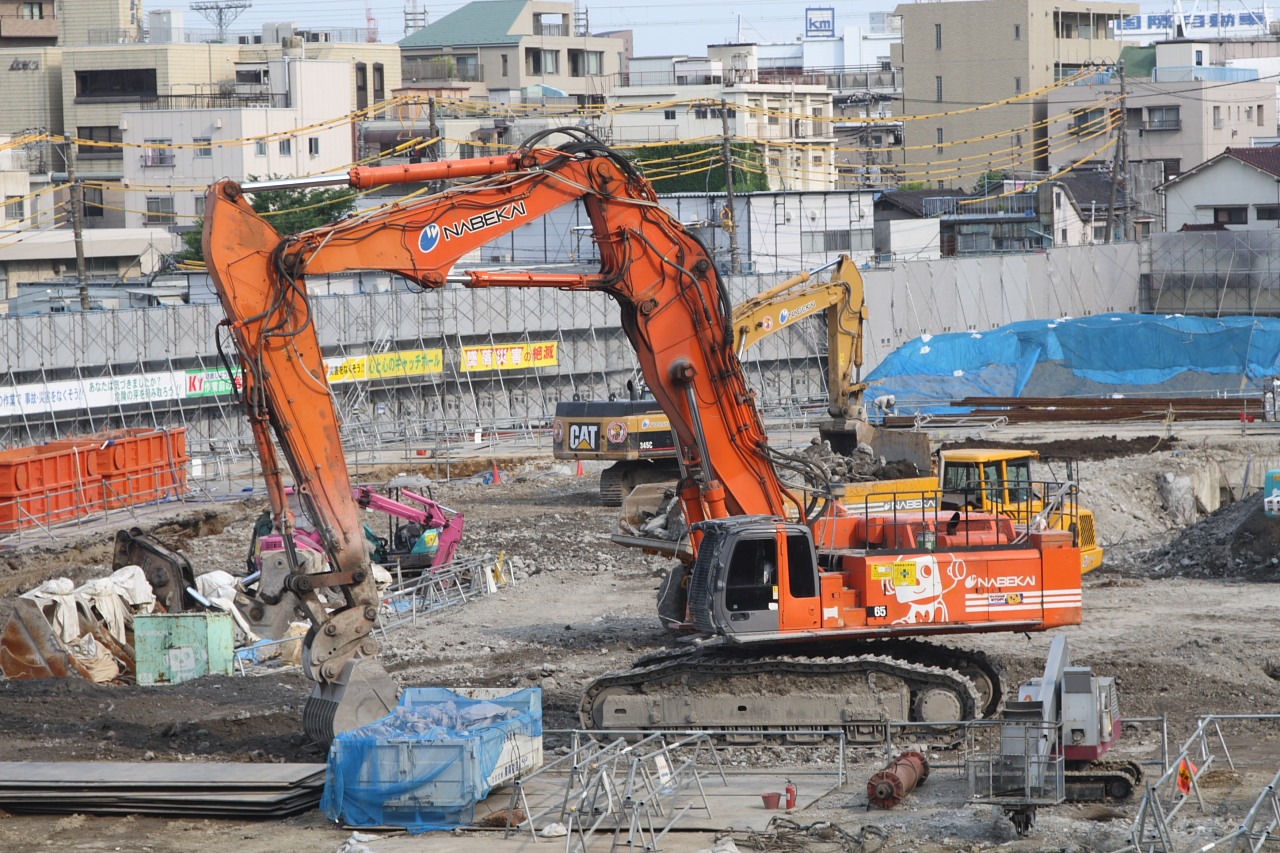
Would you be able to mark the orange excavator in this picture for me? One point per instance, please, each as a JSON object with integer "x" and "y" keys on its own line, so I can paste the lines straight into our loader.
{"x": 787, "y": 587}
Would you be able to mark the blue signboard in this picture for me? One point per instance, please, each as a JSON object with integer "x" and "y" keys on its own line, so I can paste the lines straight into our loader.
{"x": 820, "y": 22}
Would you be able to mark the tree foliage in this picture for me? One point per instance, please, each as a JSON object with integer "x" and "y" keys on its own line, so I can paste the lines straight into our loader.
{"x": 663, "y": 167}
{"x": 989, "y": 181}
{"x": 915, "y": 185}
{"x": 288, "y": 211}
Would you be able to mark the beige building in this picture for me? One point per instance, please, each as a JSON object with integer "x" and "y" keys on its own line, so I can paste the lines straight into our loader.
{"x": 959, "y": 54}
{"x": 1186, "y": 101}
{"x": 28, "y": 24}
{"x": 790, "y": 122}
{"x": 512, "y": 50}
{"x": 284, "y": 126}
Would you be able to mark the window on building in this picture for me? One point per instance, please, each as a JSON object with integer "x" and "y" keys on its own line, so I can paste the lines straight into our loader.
{"x": 91, "y": 201}
{"x": 818, "y": 242}
{"x": 1199, "y": 57}
{"x": 669, "y": 115}
{"x": 14, "y": 207}
{"x": 156, "y": 152}
{"x": 31, "y": 11}
{"x": 204, "y": 146}
{"x": 586, "y": 63}
{"x": 1099, "y": 233}
{"x": 362, "y": 85}
{"x": 380, "y": 81}
{"x": 937, "y": 82}
{"x": 116, "y": 83}
{"x": 1164, "y": 118}
{"x": 1235, "y": 215}
{"x": 99, "y": 141}
{"x": 701, "y": 112}
{"x": 541, "y": 62}
{"x": 1017, "y": 85}
{"x": 937, "y": 36}
{"x": 1258, "y": 113}
{"x": 286, "y": 147}
{"x": 505, "y": 66}
{"x": 1017, "y": 32}
{"x": 313, "y": 146}
{"x": 939, "y": 131}
{"x": 1268, "y": 213}
{"x": 1062, "y": 237}
{"x": 1248, "y": 113}
{"x": 199, "y": 200}
{"x": 159, "y": 210}
{"x": 1217, "y": 116}
{"x": 260, "y": 148}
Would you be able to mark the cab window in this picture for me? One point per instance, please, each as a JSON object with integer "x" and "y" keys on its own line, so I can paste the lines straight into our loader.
{"x": 1019, "y": 477}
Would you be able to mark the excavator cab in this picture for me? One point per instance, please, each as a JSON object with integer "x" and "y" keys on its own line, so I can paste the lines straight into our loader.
{"x": 750, "y": 576}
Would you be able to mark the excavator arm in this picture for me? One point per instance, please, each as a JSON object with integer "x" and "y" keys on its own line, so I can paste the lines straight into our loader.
{"x": 842, "y": 299}
{"x": 674, "y": 310}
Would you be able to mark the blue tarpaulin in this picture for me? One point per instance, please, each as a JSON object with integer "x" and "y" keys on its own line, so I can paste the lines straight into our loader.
{"x": 427, "y": 764}
{"x": 1103, "y": 355}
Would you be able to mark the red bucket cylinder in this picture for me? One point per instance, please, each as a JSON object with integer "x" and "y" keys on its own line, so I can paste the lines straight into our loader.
{"x": 888, "y": 787}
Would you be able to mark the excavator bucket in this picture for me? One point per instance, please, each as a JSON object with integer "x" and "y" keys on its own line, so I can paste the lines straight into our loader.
{"x": 362, "y": 694}
{"x": 169, "y": 572}
{"x": 651, "y": 519}
{"x": 31, "y": 648}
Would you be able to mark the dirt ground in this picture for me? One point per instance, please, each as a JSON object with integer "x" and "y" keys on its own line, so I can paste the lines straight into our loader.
{"x": 1181, "y": 643}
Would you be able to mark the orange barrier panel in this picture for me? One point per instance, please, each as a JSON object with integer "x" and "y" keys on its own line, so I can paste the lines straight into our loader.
{"x": 40, "y": 485}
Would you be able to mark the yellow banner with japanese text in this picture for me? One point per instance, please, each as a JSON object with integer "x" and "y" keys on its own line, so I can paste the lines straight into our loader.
{"x": 510, "y": 356}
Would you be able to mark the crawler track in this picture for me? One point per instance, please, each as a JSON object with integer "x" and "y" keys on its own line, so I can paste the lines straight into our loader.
{"x": 746, "y": 691}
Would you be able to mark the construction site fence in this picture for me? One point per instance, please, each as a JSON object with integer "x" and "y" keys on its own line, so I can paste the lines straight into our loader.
{"x": 1154, "y": 830}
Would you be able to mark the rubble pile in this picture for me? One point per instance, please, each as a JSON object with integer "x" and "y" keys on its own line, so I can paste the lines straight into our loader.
{"x": 1238, "y": 542}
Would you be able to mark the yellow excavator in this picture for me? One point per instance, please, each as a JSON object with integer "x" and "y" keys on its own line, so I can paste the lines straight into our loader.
{"x": 636, "y": 434}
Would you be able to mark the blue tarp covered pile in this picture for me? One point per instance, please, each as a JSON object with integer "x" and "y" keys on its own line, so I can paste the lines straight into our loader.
{"x": 1101, "y": 356}
{"x": 427, "y": 764}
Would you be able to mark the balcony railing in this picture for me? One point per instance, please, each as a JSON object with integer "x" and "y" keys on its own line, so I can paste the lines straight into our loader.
{"x": 1014, "y": 205}
{"x": 1163, "y": 124}
{"x": 442, "y": 72}
{"x": 550, "y": 29}
{"x": 718, "y": 76}
{"x": 213, "y": 101}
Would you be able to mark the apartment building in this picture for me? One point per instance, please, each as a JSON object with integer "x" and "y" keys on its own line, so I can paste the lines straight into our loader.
{"x": 787, "y": 115}
{"x": 1184, "y": 105}
{"x": 280, "y": 126}
{"x": 509, "y": 50}
{"x": 28, "y": 23}
{"x": 959, "y": 54}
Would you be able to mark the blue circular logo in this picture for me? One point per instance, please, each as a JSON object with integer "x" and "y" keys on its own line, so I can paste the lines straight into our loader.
{"x": 429, "y": 238}
{"x": 783, "y": 315}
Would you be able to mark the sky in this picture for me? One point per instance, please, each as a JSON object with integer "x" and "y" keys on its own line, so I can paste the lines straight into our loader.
{"x": 662, "y": 27}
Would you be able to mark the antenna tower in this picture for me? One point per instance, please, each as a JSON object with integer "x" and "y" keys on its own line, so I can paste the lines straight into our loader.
{"x": 221, "y": 13}
{"x": 414, "y": 19}
{"x": 370, "y": 23}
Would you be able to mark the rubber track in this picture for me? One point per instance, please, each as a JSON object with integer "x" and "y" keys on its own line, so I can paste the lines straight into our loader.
{"x": 734, "y": 662}
{"x": 1102, "y": 771}
{"x": 611, "y": 486}
{"x": 917, "y": 652}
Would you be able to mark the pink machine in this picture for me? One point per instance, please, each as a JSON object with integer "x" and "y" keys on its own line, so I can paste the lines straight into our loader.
{"x": 427, "y": 515}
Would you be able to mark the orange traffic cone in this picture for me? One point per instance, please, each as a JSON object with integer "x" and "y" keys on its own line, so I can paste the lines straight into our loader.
{"x": 579, "y": 467}
{"x": 497, "y": 478}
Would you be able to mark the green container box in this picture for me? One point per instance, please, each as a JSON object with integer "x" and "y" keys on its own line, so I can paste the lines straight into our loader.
{"x": 174, "y": 647}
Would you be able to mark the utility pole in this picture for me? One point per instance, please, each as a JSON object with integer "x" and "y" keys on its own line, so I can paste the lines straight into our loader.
{"x": 1127, "y": 213}
{"x": 77, "y": 226}
{"x": 1118, "y": 164}
{"x": 726, "y": 153}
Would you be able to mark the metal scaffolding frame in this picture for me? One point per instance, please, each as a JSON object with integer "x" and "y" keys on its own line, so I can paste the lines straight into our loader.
{"x": 594, "y": 360}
